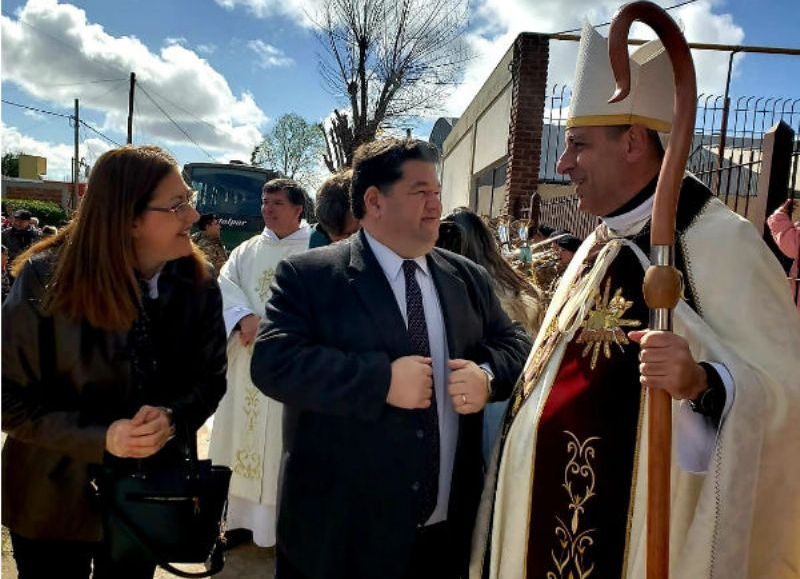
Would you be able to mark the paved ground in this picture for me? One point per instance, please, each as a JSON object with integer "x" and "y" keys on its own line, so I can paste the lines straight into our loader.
{"x": 243, "y": 562}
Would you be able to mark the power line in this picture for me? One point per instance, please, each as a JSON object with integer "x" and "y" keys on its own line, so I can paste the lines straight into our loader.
{"x": 84, "y": 82}
{"x": 44, "y": 112}
{"x": 609, "y": 22}
{"x": 91, "y": 128}
{"x": 55, "y": 114}
{"x": 177, "y": 106}
{"x": 174, "y": 122}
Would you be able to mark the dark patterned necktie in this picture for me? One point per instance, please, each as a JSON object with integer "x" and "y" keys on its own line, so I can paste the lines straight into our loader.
{"x": 418, "y": 335}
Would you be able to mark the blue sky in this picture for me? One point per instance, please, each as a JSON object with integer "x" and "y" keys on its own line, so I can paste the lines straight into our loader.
{"x": 225, "y": 69}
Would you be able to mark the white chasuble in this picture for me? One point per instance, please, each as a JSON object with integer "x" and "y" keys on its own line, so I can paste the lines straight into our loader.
{"x": 247, "y": 433}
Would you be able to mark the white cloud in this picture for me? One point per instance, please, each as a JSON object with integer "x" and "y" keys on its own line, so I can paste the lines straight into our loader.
{"x": 59, "y": 155}
{"x": 268, "y": 55}
{"x": 301, "y": 11}
{"x": 49, "y": 47}
{"x": 498, "y": 22}
{"x": 206, "y": 48}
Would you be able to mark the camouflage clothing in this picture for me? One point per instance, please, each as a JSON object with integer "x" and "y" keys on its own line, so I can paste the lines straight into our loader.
{"x": 213, "y": 248}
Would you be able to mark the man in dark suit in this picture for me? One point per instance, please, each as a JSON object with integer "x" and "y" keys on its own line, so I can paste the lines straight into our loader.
{"x": 384, "y": 351}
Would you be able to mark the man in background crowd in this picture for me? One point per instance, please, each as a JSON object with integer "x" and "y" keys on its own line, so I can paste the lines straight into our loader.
{"x": 335, "y": 218}
{"x": 208, "y": 239}
{"x": 21, "y": 235}
{"x": 247, "y": 426}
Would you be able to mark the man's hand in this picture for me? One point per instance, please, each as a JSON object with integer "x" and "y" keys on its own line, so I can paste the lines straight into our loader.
{"x": 468, "y": 386}
{"x": 141, "y": 436}
{"x": 412, "y": 383}
{"x": 248, "y": 327}
{"x": 667, "y": 363}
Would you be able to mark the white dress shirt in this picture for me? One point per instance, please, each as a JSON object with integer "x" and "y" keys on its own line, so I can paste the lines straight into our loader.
{"x": 392, "y": 265}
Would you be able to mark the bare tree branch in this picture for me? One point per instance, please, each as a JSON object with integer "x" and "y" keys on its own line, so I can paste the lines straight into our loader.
{"x": 389, "y": 60}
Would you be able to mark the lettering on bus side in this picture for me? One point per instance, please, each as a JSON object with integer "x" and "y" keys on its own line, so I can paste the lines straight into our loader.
{"x": 231, "y": 222}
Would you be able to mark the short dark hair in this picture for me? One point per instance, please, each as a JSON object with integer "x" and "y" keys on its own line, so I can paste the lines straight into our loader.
{"x": 616, "y": 131}
{"x": 546, "y": 231}
{"x": 569, "y": 242}
{"x": 205, "y": 220}
{"x": 333, "y": 202}
{"x": 294, "y": 191}
{"x": 379, "y": 164}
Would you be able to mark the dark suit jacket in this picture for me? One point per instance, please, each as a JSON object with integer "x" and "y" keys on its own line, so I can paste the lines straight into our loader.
{"x": 347, "y": 508}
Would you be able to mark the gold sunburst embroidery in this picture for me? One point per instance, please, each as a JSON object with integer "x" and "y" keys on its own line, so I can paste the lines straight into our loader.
{"x": 603, "y": 325}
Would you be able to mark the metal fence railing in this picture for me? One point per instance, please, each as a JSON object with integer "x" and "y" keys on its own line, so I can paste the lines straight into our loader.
{"x": 562, "y": 213}
{"x": 726, "y": 153}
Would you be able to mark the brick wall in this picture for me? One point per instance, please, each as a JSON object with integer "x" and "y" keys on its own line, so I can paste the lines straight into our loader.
{"x": 37, "y": 194}
{"x": 529, "y": 71}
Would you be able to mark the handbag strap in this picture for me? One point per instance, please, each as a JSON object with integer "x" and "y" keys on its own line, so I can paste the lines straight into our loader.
{"x": 217, "y": 556}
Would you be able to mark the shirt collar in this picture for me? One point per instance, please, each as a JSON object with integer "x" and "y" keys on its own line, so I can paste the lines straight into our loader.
{"x": 152, "y": 285}
{"x": 302, "y": 233}
{"x": 637, "y": 215}
{"x": 390, "y": 262}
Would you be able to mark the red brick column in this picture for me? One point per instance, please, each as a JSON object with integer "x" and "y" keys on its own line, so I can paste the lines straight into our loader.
{"x": 529, "y": 70}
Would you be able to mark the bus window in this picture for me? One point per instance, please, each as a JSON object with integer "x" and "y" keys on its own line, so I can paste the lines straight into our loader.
{"x": 233, "y": 192}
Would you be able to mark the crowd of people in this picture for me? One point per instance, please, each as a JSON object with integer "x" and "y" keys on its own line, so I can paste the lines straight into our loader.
{"x": 393, "y": 398}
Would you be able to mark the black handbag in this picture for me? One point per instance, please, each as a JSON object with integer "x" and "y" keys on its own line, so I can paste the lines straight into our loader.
{"x": 168, "y": 515}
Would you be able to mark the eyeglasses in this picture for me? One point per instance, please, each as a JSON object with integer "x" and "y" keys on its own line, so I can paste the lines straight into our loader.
{"x": 181, "y": 209}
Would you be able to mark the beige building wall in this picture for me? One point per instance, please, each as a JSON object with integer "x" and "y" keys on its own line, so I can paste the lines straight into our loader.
{"x": 491, "y": 137}
{"x": 479, "y": 138}
{"x": 456, "y": 175}
{"x": 32, "y": 167}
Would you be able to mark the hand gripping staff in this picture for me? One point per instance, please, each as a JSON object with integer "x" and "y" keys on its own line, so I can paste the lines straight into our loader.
{"x": 662, "y": 282}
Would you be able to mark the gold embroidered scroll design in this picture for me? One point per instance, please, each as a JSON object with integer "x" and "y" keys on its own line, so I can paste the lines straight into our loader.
{"x": 264, "y": 283}
{"x": 571, "y": 559}
{"x": 247, "y": 463}
{"x": 535, "y": 367}
{"x": 603, "y": 324}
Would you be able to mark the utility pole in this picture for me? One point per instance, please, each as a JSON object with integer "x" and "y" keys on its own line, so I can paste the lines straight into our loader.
{"x": 76, "y": 165}
{"x": 130, "y": 108}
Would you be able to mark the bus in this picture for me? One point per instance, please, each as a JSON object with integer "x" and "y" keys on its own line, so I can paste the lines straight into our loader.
{"x": 233, "y": 192}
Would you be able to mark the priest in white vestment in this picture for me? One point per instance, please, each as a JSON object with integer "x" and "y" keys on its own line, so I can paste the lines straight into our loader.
{"x": 247, "y": 433}
{"x": 566, "y": 492}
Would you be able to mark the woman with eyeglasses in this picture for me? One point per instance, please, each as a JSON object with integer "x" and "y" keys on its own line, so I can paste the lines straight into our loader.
{"x": 113, "y": 341}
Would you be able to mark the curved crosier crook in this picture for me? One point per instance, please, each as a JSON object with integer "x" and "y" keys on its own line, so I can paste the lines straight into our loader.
{"x": 672, "y": 169}
{"x": 662, "y": 283}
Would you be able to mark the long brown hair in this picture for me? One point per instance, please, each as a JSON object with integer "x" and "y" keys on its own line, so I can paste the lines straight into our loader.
{"x": 94, "y": 275}
{"x": 477, "y": 244}
{"x": 469, "y": 236}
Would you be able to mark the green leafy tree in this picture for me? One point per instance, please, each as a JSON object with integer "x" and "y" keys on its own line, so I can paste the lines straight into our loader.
{"x": 11, "y": 164}
{"x": 293, "y": 146}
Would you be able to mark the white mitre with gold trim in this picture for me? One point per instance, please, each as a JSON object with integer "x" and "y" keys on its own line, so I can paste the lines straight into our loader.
{"x": 650, "y": 102}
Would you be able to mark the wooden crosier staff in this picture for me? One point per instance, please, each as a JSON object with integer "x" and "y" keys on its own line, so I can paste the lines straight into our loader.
{"x": 662, "y": 282}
